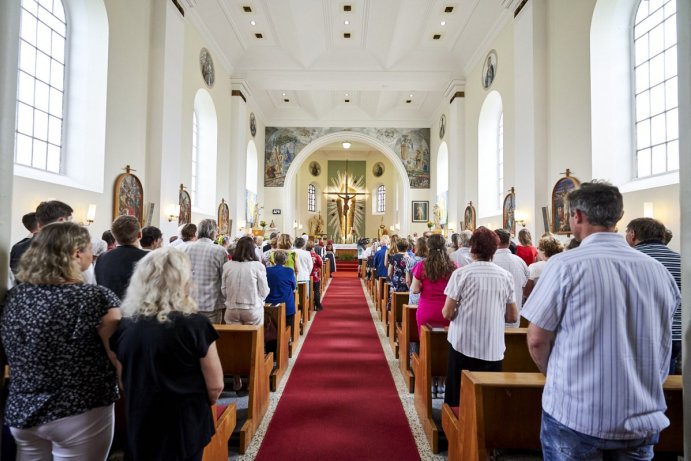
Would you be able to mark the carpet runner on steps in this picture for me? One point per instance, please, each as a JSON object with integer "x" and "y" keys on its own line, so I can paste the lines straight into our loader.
{"x": 340, "y": 402}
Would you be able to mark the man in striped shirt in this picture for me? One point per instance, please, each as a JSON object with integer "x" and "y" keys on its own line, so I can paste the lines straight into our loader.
{"x": 600, "y": 329}
{"x": 647, "y": 235}
{"x": 505, "y": 259}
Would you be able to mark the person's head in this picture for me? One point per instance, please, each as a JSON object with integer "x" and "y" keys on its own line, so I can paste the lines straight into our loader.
{"x": 188, "y": 232}
{"x": 107, "y": 236}
{"x": 385, "y": 240}
{"x": 30, "y": 222}
{"x": 641, "y": 230}
{"x": 280, "y": 257}
{"x": 596, "y": 206}
{"x": 309, "y": 246}
{"x": 524, "y": 237}
{"x": 244, "y": 250}
{"x": 549, "y": 246}
{"x": 273, "y": 235}
{"x": 668, "y": 236}
{"x": 402, "y": 245}
{"x": 421, "y": 247}
{"x": 57, "y": 255}
{"x": 504, "y": 237}
{"x": 484, "y": 243}
{"x": 299, "y": 243}
{"x": 160, "y": 285}
{"x": 438, "y": 265}
{"x": 573, "y": 243}
{"x": 207, "y": 229}
{"x": 394, "y": 244}
{"x": 52, "y": 211}
{"x": 126, "y": 230}
{"x": 284, "y": 242}
{"x": 172, "y": 238}
{"x": 98, "y": 247}
{"x": 455, "y": 237}
{"x": 258, "y": 240}
{"x": 273, "y": 242}
{"x": 464, "y": 238}
{"x": 152, "y": 238}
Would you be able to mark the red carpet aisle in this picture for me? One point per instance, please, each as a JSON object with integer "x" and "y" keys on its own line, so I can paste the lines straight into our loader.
{"x": 340, "y": 402}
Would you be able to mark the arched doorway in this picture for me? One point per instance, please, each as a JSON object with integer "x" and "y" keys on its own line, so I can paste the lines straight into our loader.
{"x": 289, "y": 186}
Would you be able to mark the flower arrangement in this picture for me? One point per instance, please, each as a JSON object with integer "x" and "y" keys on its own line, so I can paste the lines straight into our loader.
{"x": 262, "y": 223}
{"x": 430, "y": 224}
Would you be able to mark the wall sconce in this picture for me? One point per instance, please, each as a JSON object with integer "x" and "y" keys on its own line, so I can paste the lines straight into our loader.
{"x": 398, "y": 227}
{"x": 295, "y": 224}
{"x": 647, "y": 209}
{"x": 392, "y": 228}
{"x": 520, "y": 218}
{"x": 346, "y": 145}
{"x": 300, "y": 227}
{"x": 91, "y": 214}
{"x": 173, "y": 212}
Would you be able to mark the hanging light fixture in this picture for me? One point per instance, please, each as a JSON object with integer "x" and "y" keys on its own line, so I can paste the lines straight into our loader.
{"x": 346, "y": 145}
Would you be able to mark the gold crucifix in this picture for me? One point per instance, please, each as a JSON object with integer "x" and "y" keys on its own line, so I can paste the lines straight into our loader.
{"x": 346, "y": 208}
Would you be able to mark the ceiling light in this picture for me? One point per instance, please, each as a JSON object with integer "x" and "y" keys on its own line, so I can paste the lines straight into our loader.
{"x": 346, "y": 145}
{"x": 411, "y": 95}
{"x": 346, "y": 22}
{"x": 443, "y": 23}
{"x": 254, "y": 23}
{"x": 283, "y": 94}
{"x": 346, "y": 94}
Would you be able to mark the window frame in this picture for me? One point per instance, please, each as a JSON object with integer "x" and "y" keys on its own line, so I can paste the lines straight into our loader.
{"x": 311, "y": 198}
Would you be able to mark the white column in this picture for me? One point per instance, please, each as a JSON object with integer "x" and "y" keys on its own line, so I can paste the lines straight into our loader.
{"x": 684, "y": 67}
{"x": 237, "y": 174}
{"x": 459, "y": 195}
{"x": 530, "y": 113}
{"x": 164, "y": 173}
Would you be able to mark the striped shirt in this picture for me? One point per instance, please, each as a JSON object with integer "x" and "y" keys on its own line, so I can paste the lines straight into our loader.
{"x": 610, "y": 307}
{"x": 483, "y": 290}
{"x": 518, "y": 268}
{"x": 672, "y": 262}
{"x": 461, "y": 257}
{"x": 207, "y": 269}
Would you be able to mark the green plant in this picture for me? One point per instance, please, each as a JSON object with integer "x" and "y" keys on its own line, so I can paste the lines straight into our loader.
{"x": 346, "y": 257}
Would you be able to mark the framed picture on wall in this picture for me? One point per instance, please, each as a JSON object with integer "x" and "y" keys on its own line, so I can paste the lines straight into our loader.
{"x": 509, "y": 209}
{"x": 185, "y": 202}
{"x": 560, "y": 214}
{"x": 469, "y": 217}
{"x": 128, "y": 196}
{"x": 420, "y": 211}
{"x": 223, "y": 218}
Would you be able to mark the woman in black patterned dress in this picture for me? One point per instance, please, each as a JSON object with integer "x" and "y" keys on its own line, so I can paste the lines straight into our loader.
{"x": 55, "y": 332}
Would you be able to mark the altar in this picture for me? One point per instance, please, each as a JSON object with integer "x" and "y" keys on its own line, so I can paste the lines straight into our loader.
{"x": 343, "y": 249}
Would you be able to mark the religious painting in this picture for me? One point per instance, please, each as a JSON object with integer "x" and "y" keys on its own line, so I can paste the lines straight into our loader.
{"x": 469, "y": 218}
{"x": 489, "y": 69}
{"x": 346, "y": 198}
{"x": 442, "y": 126}
{"x": 315, "y": 168}
{"x": 411, "y": 145}
{"x": 223, "y": 218}
{"x": 509, "y": 210}
{"x": 185, "y": 203}
{"x": 253, "y": 124}
{"x": 420, "y": 211}
{"x": 560, "y": 212}
{"x": 129, "y": 196}
{"x": 378, "y": 169}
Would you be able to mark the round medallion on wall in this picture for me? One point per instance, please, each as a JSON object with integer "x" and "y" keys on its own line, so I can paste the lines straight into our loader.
{"x": 207, "y": 67}
{"x": 315, "y": 168}
{"x": 253, "y": 124}
{"x": 489, "y": 69}
{"x": 442, "y": 126}
{"x": 378, "y": 169}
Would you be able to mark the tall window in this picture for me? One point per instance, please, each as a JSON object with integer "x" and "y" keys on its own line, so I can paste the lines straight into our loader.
{"x": 500, "y": 161}
{"x": 381, "y": 199}
{"x": 655, "y": 68}
{"x": 41, "y": 85}
{"x": 311, "y": 198}
{"x": 195, "y": 158}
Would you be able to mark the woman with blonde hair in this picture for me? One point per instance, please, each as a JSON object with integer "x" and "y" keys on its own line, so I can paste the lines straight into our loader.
{"x": 526, "y": 251}
{"x": 420, "y": 255}
{"x": 244, "y": 285}
{"x": 170, "y": 366}
{"x": 55, "y": 332}
{"x": 286, "y": 244}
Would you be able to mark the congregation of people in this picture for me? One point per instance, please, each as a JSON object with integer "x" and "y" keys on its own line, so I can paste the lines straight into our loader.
{"x": 89, "y": 319}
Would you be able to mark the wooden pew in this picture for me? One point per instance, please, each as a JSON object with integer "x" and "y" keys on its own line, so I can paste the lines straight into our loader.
{"x": 363, "y": 268}
{"x": 517, "y": 357}
{"x": 278, "y": 314}
{"x": 379, "y": 293}
{"x": 311, "y": 299}
{"x": 241, "y": 350}
{"x": 431, "y": 361}
{"x": 225, "y": 420}
{"x": 303, "y": 304}
{"x": 327, "y": 270}
{"x": 406, "y": 335}
{"x": 493, "y": 402}
{"x": 295, "y": 332}
{"x": 383, "y": 313}
{"x": 395, "y": 318}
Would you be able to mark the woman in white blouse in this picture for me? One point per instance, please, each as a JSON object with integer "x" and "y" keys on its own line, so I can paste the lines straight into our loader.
{"x": 547, "y": 247}
{"x": 244, "y": 285}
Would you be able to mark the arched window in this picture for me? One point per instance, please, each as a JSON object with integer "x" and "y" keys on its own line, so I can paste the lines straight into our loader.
{"x": 204, "y": 153}
{"x": 381, "y": 199}
{"x": 491, "y": 156}
{"x": 195, "y": 159}
{"x": 62, "y": 80}
{"x": 311, "y": 198}
{"x": 655, "y": 89}
{"x": 41, "y": 86}
{"x": 251, "y": 175}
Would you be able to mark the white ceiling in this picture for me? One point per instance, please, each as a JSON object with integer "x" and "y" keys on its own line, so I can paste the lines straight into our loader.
{"x": 391, "y": 54}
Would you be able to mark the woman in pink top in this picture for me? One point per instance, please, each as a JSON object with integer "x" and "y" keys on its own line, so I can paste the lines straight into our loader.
{"x": 429, "y": 279}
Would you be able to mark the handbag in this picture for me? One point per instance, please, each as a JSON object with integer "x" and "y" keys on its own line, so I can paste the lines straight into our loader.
{"x": 270, "y": 329}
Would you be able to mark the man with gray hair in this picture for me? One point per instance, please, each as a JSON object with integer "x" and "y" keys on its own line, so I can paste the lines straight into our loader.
{"x": 207, "y": 271}
{"x": 462, "y": 256}
{"x": 600, "y": 330}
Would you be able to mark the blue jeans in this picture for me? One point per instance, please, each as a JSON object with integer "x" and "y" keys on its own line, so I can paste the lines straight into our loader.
{"x": 559, "y": 443}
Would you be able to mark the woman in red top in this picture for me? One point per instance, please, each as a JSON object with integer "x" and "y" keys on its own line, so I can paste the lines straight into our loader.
{"x": 526, "y": 251}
